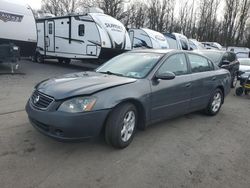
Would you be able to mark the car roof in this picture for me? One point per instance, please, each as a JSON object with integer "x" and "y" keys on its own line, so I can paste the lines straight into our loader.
{"x": 215, "y": 51}
{"x": 159, "y": 51}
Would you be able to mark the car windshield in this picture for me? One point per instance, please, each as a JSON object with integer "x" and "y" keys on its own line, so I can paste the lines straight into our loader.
{"x": 214, "y": 56}
{"x": 134, "y": 65}
{"x": 244, "y": 62}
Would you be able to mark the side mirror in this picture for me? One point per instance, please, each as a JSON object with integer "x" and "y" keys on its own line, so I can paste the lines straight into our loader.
{"x": 165, "y": 76}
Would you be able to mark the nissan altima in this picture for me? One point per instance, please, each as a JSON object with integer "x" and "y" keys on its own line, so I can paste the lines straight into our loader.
{"x": 129, "y": 92}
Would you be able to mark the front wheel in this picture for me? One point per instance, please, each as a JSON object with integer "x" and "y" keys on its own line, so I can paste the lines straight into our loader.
{"x": 121, "y": 126}
{"x": 215, "y": 103}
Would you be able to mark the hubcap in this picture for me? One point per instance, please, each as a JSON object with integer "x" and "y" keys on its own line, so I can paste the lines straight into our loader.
{"x": 128, "y": 126}
{"x": 216, "y": 102}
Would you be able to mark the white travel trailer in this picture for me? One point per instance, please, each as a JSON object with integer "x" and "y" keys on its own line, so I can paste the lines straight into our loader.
{"x": 17, "y": 26}
{"x": 147, "y": 38}
{"x": 182, "y": 41}
{"x": 89, "y": 36}
{"x": 177, "y": 41}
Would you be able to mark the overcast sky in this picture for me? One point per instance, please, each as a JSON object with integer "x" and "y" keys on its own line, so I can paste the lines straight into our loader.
{"x": 36, "y": 4}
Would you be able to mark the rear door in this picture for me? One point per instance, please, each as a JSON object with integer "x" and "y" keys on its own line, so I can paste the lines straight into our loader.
{"x": 50, "y": 38}
{"x": 203, "y": 80}
{"x": 172, "y": 97}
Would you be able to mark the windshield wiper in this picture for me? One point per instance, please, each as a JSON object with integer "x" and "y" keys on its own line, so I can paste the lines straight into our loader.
{"x": 111, "y": 73}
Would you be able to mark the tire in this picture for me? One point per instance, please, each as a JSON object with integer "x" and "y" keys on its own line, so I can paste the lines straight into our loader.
{"x": 67, "y": 61}
{"x": 215, "y": 103}
{"x": 64, "y": 61}
{"x": 39, "y": 58}
{"x": 239, "y": 91}
{"x": 117, "y": 134}
{"x": 234, "y": 80}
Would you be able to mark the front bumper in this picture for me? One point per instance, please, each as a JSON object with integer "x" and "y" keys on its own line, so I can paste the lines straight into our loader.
{"x": 67, "y": 126}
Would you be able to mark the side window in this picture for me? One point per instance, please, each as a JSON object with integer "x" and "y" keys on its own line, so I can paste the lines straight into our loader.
{"x": 81, "y": 30}
{"x": 50, "y": 28}
{"x": 176, "y": 64}
{"x": 199, "y": 63}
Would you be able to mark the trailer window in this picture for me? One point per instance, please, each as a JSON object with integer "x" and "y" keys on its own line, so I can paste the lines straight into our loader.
{"x": 81, "y": 30}
{"x": 50, "y": 29}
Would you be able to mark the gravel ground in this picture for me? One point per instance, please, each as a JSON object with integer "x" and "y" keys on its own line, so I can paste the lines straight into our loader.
{"x": 189, "y": 151}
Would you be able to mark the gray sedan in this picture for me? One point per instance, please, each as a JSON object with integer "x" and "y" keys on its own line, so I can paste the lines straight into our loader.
{"x": 129, "y": 92}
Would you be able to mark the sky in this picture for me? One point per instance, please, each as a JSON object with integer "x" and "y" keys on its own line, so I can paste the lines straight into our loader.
{"x": 35, "y": 4}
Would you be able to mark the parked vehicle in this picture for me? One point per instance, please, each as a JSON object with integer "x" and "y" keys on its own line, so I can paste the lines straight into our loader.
{"x": 88, "y": 36}
{"x": 183, "y": 41}
{"x": 212, "y": 45}
{"x": 15, "y": 39}
{"x": 241, "y": 52}
{"x": 130, "y": 91}
{"x": 147, "y": 38}
{"x": 195, "y": 45}
{"x": 177, "y": 41}
{"x": 244, "y": 64}
{"x": 244, "y": 84}
{"x": 172, "y": 41}
{"x": 17, "y": 29}
{"x": 226, "y": 60}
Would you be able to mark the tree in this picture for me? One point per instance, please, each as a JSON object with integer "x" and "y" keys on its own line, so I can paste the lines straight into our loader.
{"x": 62, "y": 7}
{"x": 114, "y": 8}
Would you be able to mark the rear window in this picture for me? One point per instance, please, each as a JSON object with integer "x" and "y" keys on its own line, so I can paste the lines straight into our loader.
{"x": 199, "y": 63}
{"x": 214, "y": 56}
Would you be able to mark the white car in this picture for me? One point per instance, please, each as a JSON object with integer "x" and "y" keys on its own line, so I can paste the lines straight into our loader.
{"x": 244, "y": 64}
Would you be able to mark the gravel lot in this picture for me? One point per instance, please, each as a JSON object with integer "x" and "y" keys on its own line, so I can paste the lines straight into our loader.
{"x": 190, "y": 151}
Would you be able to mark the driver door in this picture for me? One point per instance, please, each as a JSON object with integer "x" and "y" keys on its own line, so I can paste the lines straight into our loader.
{"x": 171, "y": 97}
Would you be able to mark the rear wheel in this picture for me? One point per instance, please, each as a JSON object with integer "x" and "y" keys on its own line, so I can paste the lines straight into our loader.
{"x": 239, "y": 91}
{"x": 121, "y": 126}
{"x": 215, "y": 103}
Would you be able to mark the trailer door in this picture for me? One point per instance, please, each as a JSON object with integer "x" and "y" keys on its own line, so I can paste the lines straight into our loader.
{"x": 50, "y": 41}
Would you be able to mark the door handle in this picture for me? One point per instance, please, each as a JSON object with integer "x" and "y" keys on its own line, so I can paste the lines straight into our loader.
{"x": 188, "y": 85}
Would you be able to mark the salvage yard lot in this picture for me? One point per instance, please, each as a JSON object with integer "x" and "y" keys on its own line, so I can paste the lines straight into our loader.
{"x": 189, "y": 151}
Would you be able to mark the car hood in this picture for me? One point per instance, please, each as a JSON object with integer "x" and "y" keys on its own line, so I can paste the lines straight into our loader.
{"x": 83, "y": 83}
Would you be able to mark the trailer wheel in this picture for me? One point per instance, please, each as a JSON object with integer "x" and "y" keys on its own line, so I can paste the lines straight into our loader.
{"x": 67, "y": 61}
{"x": 39, "y": 58}
{"x": 64, "y": 61}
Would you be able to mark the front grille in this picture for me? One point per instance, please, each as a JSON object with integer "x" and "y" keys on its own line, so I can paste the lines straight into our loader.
{"x": 40, "y": 100}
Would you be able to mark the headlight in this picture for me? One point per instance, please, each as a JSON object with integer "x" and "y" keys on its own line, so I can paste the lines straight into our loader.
{"x": 78, "y": 104}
